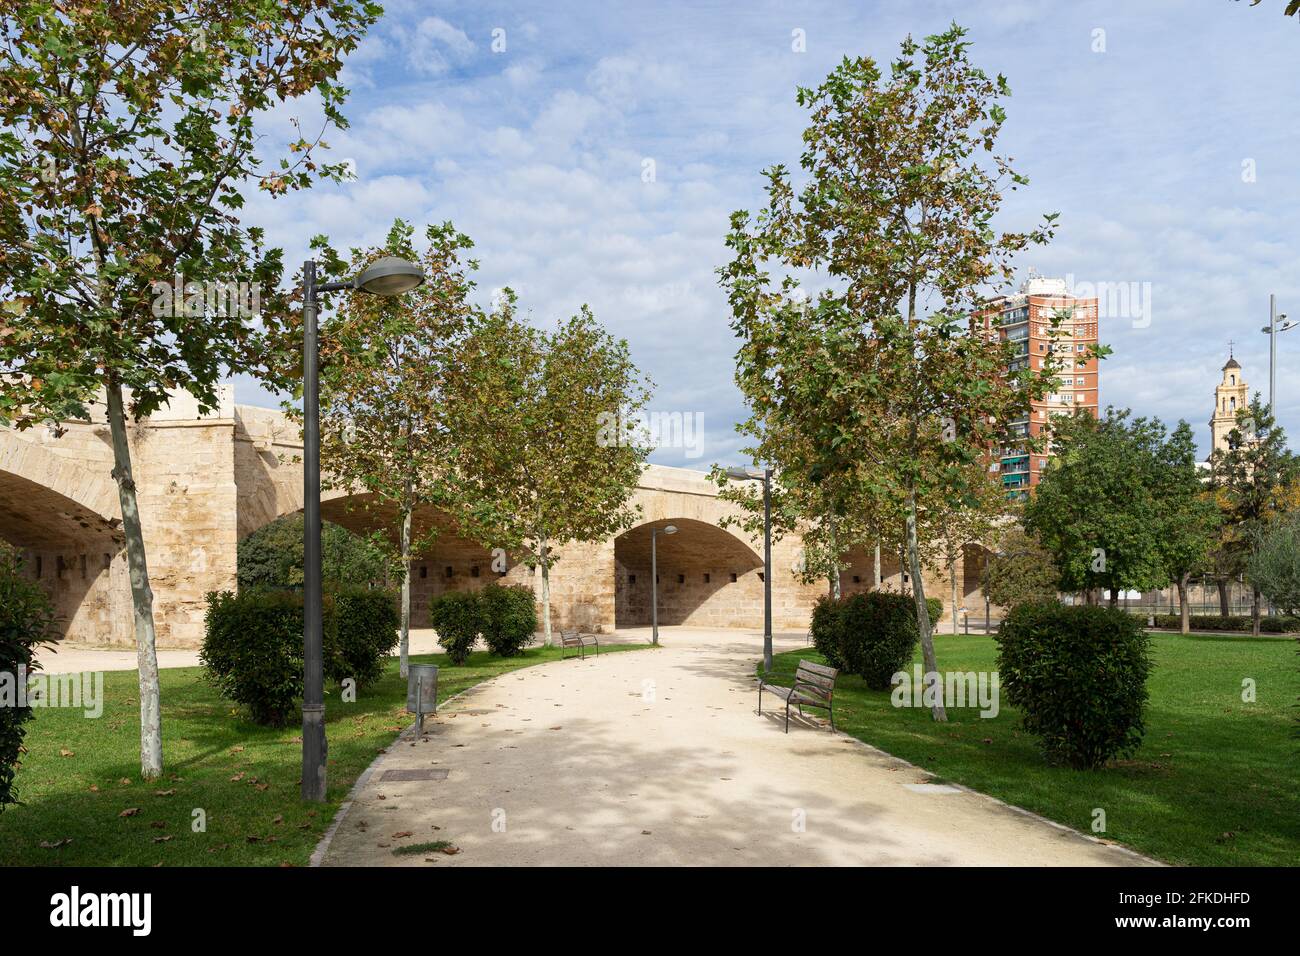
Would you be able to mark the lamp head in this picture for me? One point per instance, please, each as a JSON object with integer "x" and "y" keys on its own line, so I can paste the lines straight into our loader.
{"x": 742, "y": 474}
{"x": 390, "y": 276}
{"x": 670, "y": 529}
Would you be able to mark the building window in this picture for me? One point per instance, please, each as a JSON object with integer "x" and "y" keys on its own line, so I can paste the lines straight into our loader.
{"x": 856, "y": 579}
{"x": 473, "y": 571}
{"x": 681, "y": 579}
{"x": 706, "y": 577}
{"x": 450, "y": 572}
{"x": 733, "y": 576}
{"x": 631, "y": 579}
{"x": 424, "y": 571}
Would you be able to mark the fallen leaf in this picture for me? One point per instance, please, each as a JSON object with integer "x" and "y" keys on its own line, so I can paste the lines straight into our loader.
{"x": 401, "y": 834}
{"x": 237, "y": 777}
{"x": 451, "y": 850}
{"x": 65, "y": 752}
{"x": 165, "y": 793}
{"x": 47, "y": 845}
{"x": 129, "y": 812}
{"x": 162, "y": 839}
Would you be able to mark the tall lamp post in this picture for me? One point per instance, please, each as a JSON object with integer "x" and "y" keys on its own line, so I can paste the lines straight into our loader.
{"x": 1277, "y": 322}
{"x": 654, "y": 582}
{"x": 387, "y": 276}
{"x": 747, "y": 474}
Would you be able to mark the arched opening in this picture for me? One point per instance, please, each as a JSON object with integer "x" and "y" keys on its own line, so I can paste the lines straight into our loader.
{"x": 974, "y": 560}
{"x": 450, "y": 562}
{"x": 75, "y": 554}
{"x": 707, "y": 577}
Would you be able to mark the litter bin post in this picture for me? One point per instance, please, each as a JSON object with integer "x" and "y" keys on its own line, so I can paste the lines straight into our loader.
{"x": 422, "y": 692}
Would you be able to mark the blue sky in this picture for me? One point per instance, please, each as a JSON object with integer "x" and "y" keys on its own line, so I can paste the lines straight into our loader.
{"x": 537, "y": 151}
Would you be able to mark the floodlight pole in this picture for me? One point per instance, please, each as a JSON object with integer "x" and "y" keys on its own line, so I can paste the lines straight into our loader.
{"x": 386, "y": 276}
{"x": 315, "y": 749}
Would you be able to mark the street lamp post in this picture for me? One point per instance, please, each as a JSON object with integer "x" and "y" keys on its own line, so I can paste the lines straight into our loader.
{"x": 745, "y": 474}
{"x": 1272, "y": 330}
{"x": 654, "y": 582}
{"x": 386, "y": 276}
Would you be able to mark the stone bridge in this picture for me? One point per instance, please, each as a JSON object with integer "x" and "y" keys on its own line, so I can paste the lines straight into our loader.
{"x": 207, "y": 481}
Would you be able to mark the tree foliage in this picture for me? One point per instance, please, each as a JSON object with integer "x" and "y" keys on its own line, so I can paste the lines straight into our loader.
{"x": 885, "y": 378}
{"x": 541, "y": 456}
{"x": 1254, "y": 480}
{"x": 1020, "y": 571}
{"x": 127, "y": 139}
{"x": 1096, "y": 508}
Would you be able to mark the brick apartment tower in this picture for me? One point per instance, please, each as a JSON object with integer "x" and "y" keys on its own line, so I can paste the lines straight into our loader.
{"x": 1025, "y": 319}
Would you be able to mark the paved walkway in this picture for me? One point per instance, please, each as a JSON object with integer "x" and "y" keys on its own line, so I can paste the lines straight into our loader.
{"x": 657, "y": 758}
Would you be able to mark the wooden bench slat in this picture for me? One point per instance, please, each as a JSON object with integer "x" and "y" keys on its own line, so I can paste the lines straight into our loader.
{"x": 821, "y": 669}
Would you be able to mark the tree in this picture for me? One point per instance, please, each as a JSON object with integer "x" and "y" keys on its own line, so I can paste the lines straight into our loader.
{"x": 271, "y": 557}
{"x": 896, "y": 220}
{"x": 1188, "y": 517}
{"x": 385, "y": 421}
{"x": 543, "y": 456}
{"x": 1274, "y": 566}
{"x": 1021, "y": 571}
{"x": 1254, "y": 479}
{"x": 1096, "y": 509}
{"x": 128, "y": 137}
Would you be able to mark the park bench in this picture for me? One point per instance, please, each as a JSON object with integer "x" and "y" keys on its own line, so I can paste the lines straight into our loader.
{"x": 569, "y": 639}
{"x": 814, "y": 685}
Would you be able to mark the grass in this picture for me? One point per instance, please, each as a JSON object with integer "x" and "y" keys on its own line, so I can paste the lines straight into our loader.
{"x": 1214, "y": 783}
{"x": 243, "y": 778}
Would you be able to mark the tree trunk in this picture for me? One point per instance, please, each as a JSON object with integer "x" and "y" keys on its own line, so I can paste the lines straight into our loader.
{"x": 546, "y": 592}
{"x": 875, "y": 567}
{"x": 835, "y": 562}
{"x": 1184, "y": 606}
{"x": 404, "y": 652}
{"x": 922, "y": 612}
{"x": 1254, "y": 612}
{"x": 952, "y": 574}
{"x": 1222, "y": 585}
{"x": 141, "y": 594}
{"x": 1114, "y": 597}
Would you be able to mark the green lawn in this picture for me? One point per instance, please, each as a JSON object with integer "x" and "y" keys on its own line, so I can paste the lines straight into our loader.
{"x": 1215, "y": 782}
{"x": 244, "y": 777}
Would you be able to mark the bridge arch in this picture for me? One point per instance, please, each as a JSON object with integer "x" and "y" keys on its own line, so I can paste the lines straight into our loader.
{"x": 708, "y": 577}
{"x": 61, "y": 519}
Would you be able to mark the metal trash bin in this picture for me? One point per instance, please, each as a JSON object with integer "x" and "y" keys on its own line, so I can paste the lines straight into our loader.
{"x": 422, "y": 691}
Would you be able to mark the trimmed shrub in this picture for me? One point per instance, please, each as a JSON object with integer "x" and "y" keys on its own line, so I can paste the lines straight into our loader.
{"x": 457, "y": 617}
{"x": 827, "y": 629}
{"x": 252, "y": 648}
{"x": 509, "y": 618}
{"x": 1279, "y": 624}
{"x": 871, "y": 634}
{"x": 26, "y": 622}
{"x": 935, "y": 607}
{"x": 271, "y": 557}
{"x": 252, "y": 651}
{"x": 363, "y": 632}
{"x": 1078, "y": 677}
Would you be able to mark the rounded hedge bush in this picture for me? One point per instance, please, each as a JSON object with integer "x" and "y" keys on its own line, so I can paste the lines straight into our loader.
{"x": 457, "y": 617}
{"x": 362, "y": 633}
{"x": 508, "y": 618}
{"x": 252, "y": 651}
{"x": 1078, "y": 677}
{"x": 26, "y": 622}
{"x": 252, "y": 646}
{"x": 271, "y": 557}
{"x": 872, "y": 634}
